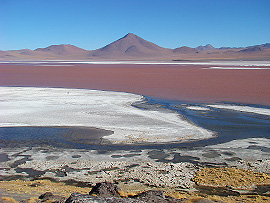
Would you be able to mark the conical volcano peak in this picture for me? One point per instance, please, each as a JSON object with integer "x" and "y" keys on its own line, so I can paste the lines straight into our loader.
{"x": 130, "y": 35}
{"x": 131, "y": 45}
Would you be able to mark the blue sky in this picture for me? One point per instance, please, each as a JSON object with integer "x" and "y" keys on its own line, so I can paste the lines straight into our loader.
{"x": 169, "y": 23}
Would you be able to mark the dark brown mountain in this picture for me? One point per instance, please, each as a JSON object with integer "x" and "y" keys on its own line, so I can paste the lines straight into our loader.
{"x": 131, "y": 46}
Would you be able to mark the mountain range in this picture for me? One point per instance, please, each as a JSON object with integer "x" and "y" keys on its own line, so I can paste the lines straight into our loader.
{"x": 133, "y": 47}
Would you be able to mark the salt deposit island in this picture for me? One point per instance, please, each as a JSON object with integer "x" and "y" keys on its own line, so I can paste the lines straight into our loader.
{"x": 110, "y": 111}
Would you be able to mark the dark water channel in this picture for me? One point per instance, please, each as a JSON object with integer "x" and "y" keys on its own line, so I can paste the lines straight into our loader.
{"x": 62, "y": 137}
{"x": 229, "y": 125}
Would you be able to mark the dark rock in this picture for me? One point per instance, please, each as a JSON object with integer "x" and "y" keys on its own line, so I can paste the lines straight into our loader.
{"x": 77, "y": 183}
{"x": 262, "y": 190}
{"x": 80, "y": 198}
{"x": 105, "y": 189}
{"x": 151, "y": 194}
{"x": 35, "y": 184}
{"x": 220, "y": 191}
{"x": 174, "y": 200}
{"x": 203, "y": 201}
{"x": 48, "y": 196}
{"x": 207, "y": 201}
{"x": 156, "y": 196}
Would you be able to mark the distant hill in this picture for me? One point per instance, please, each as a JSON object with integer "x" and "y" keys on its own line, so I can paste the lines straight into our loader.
{"x": 133, "y": 47}
{"x": 267, "y": 45}
{"x": 61, "y": 49}
{"x": 206, "y": 47}
{"x": 251, "y": 49}
{"x": 26, "y": 52}
{"x": 185, "y": 50}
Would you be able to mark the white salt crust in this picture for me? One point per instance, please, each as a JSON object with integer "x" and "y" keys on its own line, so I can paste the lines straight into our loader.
{"x": 32, "y": 106}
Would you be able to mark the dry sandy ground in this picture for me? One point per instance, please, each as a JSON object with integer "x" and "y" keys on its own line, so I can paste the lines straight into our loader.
{"x": 185, "y": 82}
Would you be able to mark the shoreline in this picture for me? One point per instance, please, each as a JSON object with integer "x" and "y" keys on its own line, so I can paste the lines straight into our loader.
{"x": 164, "y": 62}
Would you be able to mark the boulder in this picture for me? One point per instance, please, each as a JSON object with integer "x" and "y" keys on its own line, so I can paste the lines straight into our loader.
{"x": 48, "y": 196}
{"x": 80, "y": 198}
{"x": 157, "y": 196}
{"x": 105, "y": 189}
{"x": 207, "y": 201}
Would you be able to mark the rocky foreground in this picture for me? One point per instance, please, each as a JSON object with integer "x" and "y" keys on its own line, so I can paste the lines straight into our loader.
{"x": 214, "y": 184}
{"x": 111, "y": 193}
{"x": 108, "y": 192}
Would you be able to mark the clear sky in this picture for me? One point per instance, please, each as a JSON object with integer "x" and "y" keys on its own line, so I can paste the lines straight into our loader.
{"x": 91, "y": 24}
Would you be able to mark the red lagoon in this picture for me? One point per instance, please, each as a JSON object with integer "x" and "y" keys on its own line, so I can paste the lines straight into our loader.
{"x": 194, "y": 83}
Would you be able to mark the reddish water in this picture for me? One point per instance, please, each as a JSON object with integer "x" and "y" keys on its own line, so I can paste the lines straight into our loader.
{"x": 178, "y": 82}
